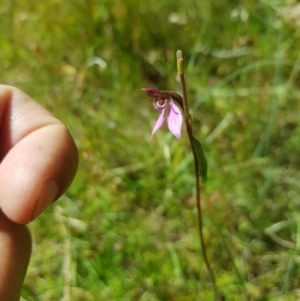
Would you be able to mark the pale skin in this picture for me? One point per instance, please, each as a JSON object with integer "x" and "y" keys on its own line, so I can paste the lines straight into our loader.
{"x": 38, "y": 161}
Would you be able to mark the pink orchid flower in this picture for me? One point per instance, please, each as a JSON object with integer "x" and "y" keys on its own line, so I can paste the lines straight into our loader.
{"x": 163, "y": 101}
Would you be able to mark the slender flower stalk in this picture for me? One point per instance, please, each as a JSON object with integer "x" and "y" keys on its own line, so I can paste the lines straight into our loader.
{"x": 171, "y": 104}
{"x": 197, "y": 164}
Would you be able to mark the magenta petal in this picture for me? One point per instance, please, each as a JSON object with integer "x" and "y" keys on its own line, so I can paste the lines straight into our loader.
{"x": 175, "y": 120}
{"x": 159, "y": 122}
{"x": 152, "y": 92}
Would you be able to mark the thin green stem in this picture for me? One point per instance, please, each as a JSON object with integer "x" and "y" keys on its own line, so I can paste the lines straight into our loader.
{"x": 187, "y": 120}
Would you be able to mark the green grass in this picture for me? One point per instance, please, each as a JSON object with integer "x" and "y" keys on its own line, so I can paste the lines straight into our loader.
{"x": 126, "y": 228}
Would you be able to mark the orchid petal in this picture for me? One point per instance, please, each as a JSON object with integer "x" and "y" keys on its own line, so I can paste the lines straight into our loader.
{"x": 159, "y": 122}
{"x": 152, "y": 92}
{"x": 175, "y": 120}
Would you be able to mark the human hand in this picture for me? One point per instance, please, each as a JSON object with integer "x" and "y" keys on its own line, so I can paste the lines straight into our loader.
{"x": 38, "y": 162}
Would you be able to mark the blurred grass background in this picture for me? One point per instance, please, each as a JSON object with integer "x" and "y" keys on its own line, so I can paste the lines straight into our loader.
{"x": 126, "y": 228}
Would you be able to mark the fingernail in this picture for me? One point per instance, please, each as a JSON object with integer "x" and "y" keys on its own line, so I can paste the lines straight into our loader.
{"x": 47, "y": 197}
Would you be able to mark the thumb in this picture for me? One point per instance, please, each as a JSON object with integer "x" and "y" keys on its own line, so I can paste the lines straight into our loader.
{"x": 37, "y": 153}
